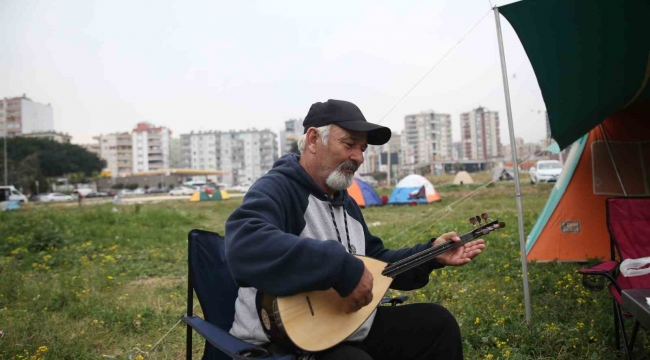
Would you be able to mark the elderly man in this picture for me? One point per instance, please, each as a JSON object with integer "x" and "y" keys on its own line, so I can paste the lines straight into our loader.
{"x": 297, "y": 229}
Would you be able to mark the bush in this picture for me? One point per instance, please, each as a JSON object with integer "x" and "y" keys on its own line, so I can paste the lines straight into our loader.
{"x": 132, "y": 186}
{"x": 117, "y": 187}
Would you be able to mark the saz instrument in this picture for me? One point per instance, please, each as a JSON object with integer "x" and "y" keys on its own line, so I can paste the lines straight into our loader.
{"x": 316, "y": 320}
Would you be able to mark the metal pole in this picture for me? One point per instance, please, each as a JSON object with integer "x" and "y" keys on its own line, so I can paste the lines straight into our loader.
{"x": 611, "y": 155}
{"x": 5, "y": 155}
{"x": 4, "y": 107}
{"x": 522, "y": 244}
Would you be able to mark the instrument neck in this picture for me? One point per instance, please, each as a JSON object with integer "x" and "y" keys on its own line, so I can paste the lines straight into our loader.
{"x": 422, "y": 257}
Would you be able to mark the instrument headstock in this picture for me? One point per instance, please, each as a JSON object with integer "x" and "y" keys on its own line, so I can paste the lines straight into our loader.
{"x": 482, "y": 229}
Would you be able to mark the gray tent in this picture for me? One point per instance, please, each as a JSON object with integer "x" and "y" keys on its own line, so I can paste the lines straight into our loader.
{"x": 503, "y": 174}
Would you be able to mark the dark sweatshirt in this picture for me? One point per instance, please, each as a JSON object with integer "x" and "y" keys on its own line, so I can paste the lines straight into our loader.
{"x": 289, "y": 236}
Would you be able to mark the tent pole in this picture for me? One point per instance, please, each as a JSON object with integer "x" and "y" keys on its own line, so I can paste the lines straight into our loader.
{"x": 515, "y": 165}
{"x": 611, "y": 155}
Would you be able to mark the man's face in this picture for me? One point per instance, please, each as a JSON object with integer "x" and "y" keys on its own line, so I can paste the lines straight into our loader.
{"x": 341, "y": 157}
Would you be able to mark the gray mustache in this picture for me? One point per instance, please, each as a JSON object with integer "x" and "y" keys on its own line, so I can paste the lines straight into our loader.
{"x": 349, "y": 165}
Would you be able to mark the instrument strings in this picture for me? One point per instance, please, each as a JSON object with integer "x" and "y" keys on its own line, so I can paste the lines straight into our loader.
{"x": 426, "y": 255}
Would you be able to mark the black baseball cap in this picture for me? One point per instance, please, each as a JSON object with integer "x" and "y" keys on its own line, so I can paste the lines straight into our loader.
{"x": 346, "y": 115}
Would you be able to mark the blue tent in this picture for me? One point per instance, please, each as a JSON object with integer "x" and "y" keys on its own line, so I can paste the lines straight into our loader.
{"x": 363, "y": 193}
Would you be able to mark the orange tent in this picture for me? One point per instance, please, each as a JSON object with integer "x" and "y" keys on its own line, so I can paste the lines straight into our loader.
{"x": 572, "y": 226}
{"x": 363, "y": 193}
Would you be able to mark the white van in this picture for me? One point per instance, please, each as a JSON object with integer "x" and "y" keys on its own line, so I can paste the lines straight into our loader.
{"x": 14, "y": 194}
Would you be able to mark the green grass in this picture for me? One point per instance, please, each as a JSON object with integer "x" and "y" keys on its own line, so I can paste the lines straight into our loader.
{"x": 83, "y": 283}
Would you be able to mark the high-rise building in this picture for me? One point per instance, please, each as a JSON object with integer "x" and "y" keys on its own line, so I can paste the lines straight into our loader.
{"x": 50, "y": 135}
{"x": 151, "y": 147}
{"x": 428, "y": 135}
{"x": 244, "y": 156}
{"x": 458, "y": 150}
{"x": 480, "y": 134}
{"x": 116, "y": 150}
{"x": 175, "y": 153}
{"x": 375, "y": 158}
{"x": 21, "y": 115}
{"x": 293, "y": 130}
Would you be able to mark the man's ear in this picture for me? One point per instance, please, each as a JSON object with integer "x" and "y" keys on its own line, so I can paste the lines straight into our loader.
{"x": 311, "y": 139}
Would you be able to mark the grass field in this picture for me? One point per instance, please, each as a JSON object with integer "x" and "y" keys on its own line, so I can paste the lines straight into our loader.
{"x": 104, "y": 282}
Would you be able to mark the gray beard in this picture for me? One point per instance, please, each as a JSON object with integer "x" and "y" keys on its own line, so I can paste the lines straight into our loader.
{"x": 337, "y": 180}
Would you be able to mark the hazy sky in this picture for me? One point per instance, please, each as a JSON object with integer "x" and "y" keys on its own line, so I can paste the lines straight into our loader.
{"x": 228, "y": 65}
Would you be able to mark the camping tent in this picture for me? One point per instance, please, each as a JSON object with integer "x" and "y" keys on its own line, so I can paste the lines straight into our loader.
{"x": 572, "y": 225}
{"x": 204, "y": 196}
{"x": 502, "y": 174}
{"x": 463, "y": 178}
{"x": 413, "y": 189}
{"x": 363, "y": 193}
{"x": 565, "y": 53}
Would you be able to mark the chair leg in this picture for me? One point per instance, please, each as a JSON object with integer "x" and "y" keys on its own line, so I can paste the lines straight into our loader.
{"x": 622, "y": 324}
{"x": 617, "y": 336}
{"x": 634, "y": 333}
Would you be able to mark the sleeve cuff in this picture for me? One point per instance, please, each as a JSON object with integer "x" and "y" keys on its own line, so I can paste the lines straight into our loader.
{"x": 350, "y": 275}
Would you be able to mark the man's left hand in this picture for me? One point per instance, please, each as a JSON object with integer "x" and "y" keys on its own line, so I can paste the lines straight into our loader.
{"x": 461, "y": 255}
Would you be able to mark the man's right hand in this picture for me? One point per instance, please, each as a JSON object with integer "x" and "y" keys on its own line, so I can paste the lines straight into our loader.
{"x": 361, "y": 295}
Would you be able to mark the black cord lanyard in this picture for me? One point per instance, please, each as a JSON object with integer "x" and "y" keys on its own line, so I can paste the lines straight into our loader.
{"x": 351, "y": 249}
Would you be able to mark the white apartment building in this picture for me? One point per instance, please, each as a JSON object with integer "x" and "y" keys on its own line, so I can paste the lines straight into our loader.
{"x": 21, "y": 115}
{"x": 151, "y": 147}
{"x": 375, "y": 158}
{"x": 480, "y": 134}
{"x": 117, "y": 150}
{"x": 244, "y": 156}
{"x": 50, "y": 135}
{"x": 293, "y": 130}
{"x": 427, "y": 136}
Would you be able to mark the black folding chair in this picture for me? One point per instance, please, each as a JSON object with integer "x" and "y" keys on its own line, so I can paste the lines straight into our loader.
{"x": 209, "y": 275}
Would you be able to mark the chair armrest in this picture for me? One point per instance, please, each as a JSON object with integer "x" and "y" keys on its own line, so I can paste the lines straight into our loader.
{"x": 394, "y": 301}
{"x": 223, "y": 340}
{"x": 600, "y": 269}
{"x": 606, "y": 269}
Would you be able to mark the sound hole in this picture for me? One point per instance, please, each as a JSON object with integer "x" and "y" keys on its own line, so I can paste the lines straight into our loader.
{"x": 310, "y": 308}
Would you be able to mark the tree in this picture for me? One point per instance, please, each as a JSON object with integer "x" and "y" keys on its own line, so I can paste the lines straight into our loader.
{"x": 54, "y": 159}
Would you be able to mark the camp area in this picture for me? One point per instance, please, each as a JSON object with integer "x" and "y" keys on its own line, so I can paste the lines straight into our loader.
{"x": 120, "y": 287}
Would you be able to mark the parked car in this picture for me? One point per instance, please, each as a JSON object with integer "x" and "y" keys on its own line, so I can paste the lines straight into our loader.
{"x": 545, "y": 171}
{"x": 125, "y": 192}
{"x": 182, "y": 190}
{"x": 14, "y": 194}
{"x": 55, "y": 197}
{"x": 155, "y": 190}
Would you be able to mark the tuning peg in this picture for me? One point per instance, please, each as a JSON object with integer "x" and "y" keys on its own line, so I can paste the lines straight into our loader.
{"x": 472, "y": 220}
{"x": 502, "y": 225}
{"x": 484, "y": 216}
{"x": 478, "y": 218}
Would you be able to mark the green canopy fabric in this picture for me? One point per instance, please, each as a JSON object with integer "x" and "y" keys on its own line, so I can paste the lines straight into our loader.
{"x": 591, "y": 58}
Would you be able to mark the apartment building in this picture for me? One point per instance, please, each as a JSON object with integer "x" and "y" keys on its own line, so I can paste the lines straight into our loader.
{"x": 117, "y": 150}
{"x": 50, "y": 135}
{"x": 293, "y": 130}
{"x": 151, "y": 147}
{"x": 21, "y": 115}
{"x": 244, "y": 156}
{"x": 427, "y": 137}
{"x": 480, "y": 134}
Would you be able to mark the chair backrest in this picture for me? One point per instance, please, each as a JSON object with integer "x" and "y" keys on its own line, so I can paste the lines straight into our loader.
{"x": 211, "y": 279}
{"x": 628, "y": 222}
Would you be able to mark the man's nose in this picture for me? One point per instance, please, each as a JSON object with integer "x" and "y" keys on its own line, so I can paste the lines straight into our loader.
{"x": 357, "y": 156}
